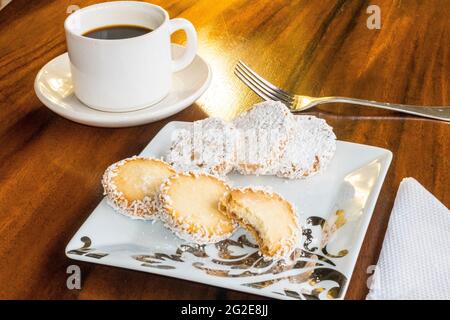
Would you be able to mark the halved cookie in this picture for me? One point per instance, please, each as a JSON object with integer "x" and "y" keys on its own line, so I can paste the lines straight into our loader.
{"x": 189, "y": 207}
{"x": 131, "y": 185}
{"x": 263, "y": 134}
{"x": 267, "y": 216}
{"x": 309, "y": 150}
{"x": 206, "y": 146}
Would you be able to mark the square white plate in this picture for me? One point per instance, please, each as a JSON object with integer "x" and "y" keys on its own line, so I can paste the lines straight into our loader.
{"x": 334, "y": 208}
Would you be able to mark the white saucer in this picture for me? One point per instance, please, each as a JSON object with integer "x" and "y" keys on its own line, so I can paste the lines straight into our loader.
{"x": 53, "y": 86}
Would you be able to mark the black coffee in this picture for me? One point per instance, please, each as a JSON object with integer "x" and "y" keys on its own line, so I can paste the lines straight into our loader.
{"x": 117, "y": 32}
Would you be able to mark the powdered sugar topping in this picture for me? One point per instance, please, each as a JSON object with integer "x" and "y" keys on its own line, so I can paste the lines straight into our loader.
{"x": 309, "y": 150}
{"x": 207, "y": 146}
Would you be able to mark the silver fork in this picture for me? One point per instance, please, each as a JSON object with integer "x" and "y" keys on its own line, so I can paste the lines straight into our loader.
{"x": 298, "y": 103}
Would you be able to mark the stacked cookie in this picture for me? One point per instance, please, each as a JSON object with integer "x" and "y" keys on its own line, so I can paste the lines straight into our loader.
{"x": 207, "y": 146}
{"x": 199, "y": 207}
{"x": 267, "y": 140}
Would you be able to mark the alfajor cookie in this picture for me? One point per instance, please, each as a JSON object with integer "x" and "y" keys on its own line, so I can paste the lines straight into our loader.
{"x": 309, "y": 150}
{"x": 267, "y": 216}
{"x": 263, "y": 134}
{"x": 189, "y": 207}
{"x": 206, "y": 146}
{"x": 131, "y": 185}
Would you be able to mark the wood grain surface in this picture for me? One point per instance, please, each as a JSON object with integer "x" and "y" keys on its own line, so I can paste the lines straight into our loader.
{"x": 50, "y": 167}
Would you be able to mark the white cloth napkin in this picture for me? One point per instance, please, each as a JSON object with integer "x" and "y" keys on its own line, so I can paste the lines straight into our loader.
{"x": 415, "y": 259}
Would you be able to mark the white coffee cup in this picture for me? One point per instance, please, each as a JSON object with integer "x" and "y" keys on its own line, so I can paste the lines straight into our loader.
{"x": 125, "y": 74}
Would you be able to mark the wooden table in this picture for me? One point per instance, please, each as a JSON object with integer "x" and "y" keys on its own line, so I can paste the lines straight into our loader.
{"x": 50, "y": 167}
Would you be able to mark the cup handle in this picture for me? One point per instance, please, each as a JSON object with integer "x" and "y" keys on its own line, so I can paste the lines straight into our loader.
{"x": 191, "y": 46}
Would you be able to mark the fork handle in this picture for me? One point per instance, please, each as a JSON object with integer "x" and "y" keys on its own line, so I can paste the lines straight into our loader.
{"x": 439, "y": 113}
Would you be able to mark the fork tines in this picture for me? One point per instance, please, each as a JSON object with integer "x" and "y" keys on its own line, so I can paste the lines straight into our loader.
{"x": 261, "y": 86}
